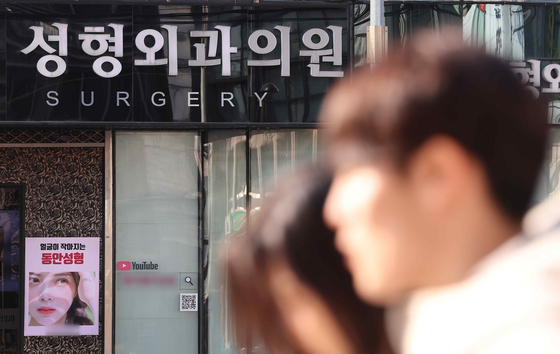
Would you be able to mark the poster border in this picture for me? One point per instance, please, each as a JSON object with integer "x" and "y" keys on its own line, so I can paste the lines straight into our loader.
{"x": 86, "y": 330}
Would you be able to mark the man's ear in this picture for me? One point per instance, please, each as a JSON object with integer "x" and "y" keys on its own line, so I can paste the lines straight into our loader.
{"x": 439, "y": 172}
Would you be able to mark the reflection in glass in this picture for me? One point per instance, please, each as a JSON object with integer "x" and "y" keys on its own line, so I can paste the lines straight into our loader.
{"x": 403, "y": 20}
{"x": 554, "y": 166}
{"x": 548, "y": 186}
{"x": 275, "y": 154}
{"x": 554, "y": 110}
{"x": 361, "y": 23}
{"x": 225, "y": 183}
{"x": 513, "y": 32}
{"x": 499, "y": 29}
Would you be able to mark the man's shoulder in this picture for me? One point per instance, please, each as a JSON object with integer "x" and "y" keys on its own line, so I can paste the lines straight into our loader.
{"x": 543, "y": 217}
{"x": 537, "y": 257}
{"x": 532, "y": 256}
{"x": 514, "y": 289}
{"x": 537, "y": 253}
{"x": 528, "y": 273}
{"x": 531, "y": 338}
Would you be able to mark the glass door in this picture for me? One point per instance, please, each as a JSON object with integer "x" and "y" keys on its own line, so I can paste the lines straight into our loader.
{"x": 157, "y": 242}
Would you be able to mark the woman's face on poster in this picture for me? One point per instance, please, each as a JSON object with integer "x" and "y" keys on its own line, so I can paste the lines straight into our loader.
{"x": 50, "y": 297}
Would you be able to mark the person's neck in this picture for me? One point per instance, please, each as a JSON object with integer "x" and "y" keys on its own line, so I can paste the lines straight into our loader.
{"x": 473, "y": 239}
{"x": 491, "y": 233}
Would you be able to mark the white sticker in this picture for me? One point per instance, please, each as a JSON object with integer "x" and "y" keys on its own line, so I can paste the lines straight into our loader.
{"x": 188, "y": 302}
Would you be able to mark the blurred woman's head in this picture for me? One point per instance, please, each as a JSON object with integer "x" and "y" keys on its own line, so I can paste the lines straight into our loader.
{"x": 289, "y": 284}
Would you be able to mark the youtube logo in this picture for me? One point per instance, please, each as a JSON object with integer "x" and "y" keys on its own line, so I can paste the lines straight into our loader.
{"x": 123, "y": 266}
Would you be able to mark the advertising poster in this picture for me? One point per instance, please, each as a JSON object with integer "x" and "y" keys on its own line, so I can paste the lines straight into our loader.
{"x": 61, "y": 286}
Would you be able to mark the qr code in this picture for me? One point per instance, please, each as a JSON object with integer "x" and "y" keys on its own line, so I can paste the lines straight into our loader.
{"x": 189, "y": 302}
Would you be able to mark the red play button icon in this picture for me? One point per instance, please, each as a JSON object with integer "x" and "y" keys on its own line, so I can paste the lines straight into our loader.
{"x": 123, "y": 266}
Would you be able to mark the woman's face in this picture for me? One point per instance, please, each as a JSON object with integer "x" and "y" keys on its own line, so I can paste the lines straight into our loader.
{"x": 305, "y": 314}
{"x": 50, "y": 297}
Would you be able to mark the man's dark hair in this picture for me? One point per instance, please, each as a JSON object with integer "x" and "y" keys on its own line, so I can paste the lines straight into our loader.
{"x": 437, "y": 86}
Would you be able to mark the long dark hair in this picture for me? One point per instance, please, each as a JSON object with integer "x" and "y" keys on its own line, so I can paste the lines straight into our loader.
{"x": 76, "y": 313}
{"x": 291, "y": 228}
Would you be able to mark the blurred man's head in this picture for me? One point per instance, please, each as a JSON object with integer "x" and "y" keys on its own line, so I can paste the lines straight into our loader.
{"x": 435, "y": 152}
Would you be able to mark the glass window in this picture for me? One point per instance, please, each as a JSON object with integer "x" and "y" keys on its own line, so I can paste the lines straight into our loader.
{"x": 513, "y": 32}
{"x": 404, "y": 19}
{"x": 499, "y": 29}
{"x": 273, "y": 156}
{"x": 225, "y": 183}
{"x": 548, "y": 186}
{"x": 361, "y": 22}
{"x": 156, "y": 185}
{"x": 553, "y": 162}
{"x": 277, "y": 154}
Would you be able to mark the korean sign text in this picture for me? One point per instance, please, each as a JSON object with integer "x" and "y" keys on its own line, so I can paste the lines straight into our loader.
{"x": 531, "y": 72}
{"x": 212, "y": 47}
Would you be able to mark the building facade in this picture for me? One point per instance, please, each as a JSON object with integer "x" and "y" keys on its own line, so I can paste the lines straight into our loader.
{"x": 158, "y": 129}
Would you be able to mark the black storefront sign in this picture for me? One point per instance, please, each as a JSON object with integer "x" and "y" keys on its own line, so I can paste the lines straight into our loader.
{"x": 180, "y": 63}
